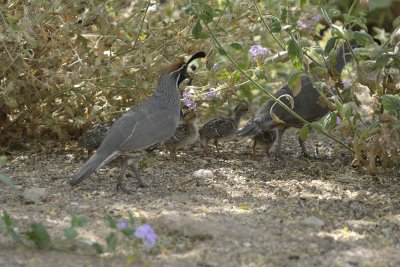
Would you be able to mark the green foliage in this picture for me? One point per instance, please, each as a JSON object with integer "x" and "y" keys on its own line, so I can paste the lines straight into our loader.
{"x": 39, "y": 235}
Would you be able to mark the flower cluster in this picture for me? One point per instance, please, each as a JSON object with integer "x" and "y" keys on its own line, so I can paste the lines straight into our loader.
{"x": 143, "y": 232}
{"x": 146, "y": 233}
{"x": 258, "y": 52}
{"x": 212, "y": 93}
{"x": 188, "y": 100}
{"x": 309, "y": 23}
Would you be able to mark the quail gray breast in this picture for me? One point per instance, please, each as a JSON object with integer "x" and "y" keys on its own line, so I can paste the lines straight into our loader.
{"x": 221, "y": 127}
{"x": 152, "y": 122}
{"x": 187, "y": 133}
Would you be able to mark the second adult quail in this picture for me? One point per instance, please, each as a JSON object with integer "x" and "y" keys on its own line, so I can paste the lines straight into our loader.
{"x": 187, "y": 133}
{"x": 222, "y": 127}
{"x": 152, "y": 122}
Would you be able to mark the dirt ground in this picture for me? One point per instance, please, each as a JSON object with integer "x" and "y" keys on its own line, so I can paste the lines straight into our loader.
{"x": 250, "y": 211}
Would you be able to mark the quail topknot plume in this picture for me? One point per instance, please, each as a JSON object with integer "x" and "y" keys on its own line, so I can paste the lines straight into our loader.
{"x": 152, "y": 122}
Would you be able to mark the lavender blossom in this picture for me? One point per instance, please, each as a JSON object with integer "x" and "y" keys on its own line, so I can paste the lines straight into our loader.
{"x": 258, "y": 52}
{"x": 309, "y": 23}
{"x": 122, "y": 224}
{"x": 346, "y": 84}
{"x": 338, "y": 120}
{"x": 188, "y": 100}
{"x": 212, "y": 92}
{"x": 147, "y": 235}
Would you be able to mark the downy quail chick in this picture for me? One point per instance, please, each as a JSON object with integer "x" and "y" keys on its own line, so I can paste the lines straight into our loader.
{"x": 221, "y": 127}
{"x": 92, "y": 138}
{"x": 306, "y": 104}
{"x": 187, "y": 133}
{"x": 265, "y": 139}
{"x": 152, "y": 122}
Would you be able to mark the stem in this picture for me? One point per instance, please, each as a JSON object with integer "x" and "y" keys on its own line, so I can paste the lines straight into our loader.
{"x": 219, "y": 46}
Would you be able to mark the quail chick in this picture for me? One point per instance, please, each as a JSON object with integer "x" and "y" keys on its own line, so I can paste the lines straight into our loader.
{"x": 265, "y": 139}
{"x": 92, "y": 138}
{"x": 187, "y": 133}
{"x": 221, "y": 127}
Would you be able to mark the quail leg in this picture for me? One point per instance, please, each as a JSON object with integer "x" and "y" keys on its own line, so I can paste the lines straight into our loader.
{"x": 279, "y": 135}
{"x": 216, "y": 145}
{"x": 254, "y": 148}
{"x": 303, "y": 148}
{"x": 120, "y": 183}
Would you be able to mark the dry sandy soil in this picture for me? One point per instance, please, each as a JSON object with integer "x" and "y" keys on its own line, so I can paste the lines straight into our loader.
{"x": 252, "y": 211}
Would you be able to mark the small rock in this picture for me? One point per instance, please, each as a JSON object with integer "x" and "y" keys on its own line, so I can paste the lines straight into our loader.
{"x": 179, "y": 224}
{"x": 247, "y": 244}
{"x": 203, "y": 173}
{"x": 34, "y": 194}
{"x": 313, "y": 221}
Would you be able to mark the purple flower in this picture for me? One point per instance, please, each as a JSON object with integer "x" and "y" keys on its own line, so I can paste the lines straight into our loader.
{"x": 346, "y": 84}
{"x": 338, "y": 120}
{"x": 146, "y": 233}
{"x": 215, "y": 67}
{"x": 212, "y": 93}
{"x": 228, "y": 16}
{"x": 122, "y": 224}
{"x": 257, "y": 51}
{"x": 188, "y": 100}
{"x": 309, "y": 23}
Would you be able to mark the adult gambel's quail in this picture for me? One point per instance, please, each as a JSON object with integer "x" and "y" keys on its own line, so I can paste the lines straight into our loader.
{"x": 152, "y": 122}
{"x": 187, "y": 133}
{"x": 221, "y": 127}
{"x": 306, "y": 104}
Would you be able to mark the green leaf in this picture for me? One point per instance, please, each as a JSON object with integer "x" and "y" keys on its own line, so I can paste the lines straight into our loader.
{"x": 363, "y": 38}
{"x": 391, "y": 103}
{"x": 39, "y": 236}
{"x": 70, "y": 233}
{"x": 221, "y": 51}
{"x": 112, "y": 223}
{"x": 7, "y": 180}
{"x": 3, "y": 160}
{"x": 294, "y": 53}
{"x": 8, "y": 222}
{"x": 333, "y": 12}
{"x": 275, "y": 25}
{"x": 77, "y": 221}
{"x": 319, "y": 70}
{"x": 197, "y": 31}
{"x": 294, "y": 81}
{"x": 99, "y": 249}
{"x": 330, "y": 121}
{"x": 236, "y": 46}
{"x": 304, "y": 132}
{"x": 127, "y": 82}
{"x": 111, "y": 240}
{"x": 303, "y": 3}
{"x": 284, "y": 14}
{"x": 330, "y": 45}
{"x": 207, "y": 13}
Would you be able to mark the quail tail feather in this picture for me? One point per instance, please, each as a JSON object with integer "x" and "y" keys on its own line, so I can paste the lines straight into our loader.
{"x": 251, "y": 128}
{"x": 96, "y": 161}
